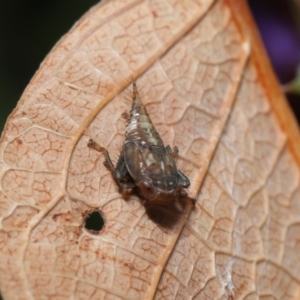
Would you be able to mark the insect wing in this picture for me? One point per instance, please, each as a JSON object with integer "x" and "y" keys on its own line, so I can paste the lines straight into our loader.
{"x": 134, "y": 160}
{"x": 153, "y": 163}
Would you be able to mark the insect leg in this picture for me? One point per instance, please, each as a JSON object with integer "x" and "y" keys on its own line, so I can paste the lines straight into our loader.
{"x": 126, "y": 116}
{"x": 192, "y": 200}
{"x": 93, "y": 145}
{"x": 121, "y": 174}
{"x": 184, "y": 198}
{"x": 121, "y": 169}
{"x": 175, "y": 151}
{"x": 108, "y": 163}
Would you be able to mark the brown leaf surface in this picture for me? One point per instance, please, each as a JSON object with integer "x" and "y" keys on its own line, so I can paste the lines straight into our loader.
{"x": 209, "y": 90}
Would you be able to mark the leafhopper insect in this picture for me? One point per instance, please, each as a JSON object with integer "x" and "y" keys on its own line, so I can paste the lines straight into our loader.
{"x": 145, "y": 163}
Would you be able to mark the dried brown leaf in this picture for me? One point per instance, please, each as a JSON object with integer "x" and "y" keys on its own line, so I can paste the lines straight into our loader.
{"x": 209, "y": 90}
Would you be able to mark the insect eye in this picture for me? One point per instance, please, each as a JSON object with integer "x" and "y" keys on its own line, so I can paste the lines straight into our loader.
{"x": 147, "y": 189}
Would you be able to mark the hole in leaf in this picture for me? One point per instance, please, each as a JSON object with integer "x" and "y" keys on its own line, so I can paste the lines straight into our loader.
{"x": 94, "y": 221}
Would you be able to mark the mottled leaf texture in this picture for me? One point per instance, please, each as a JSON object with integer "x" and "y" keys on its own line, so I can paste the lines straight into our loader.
{"x": 209, "y": 89}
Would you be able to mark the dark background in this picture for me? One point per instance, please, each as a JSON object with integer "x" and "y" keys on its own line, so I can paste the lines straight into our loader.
{"x": 28, "y": 31}
{"x": 30, "y": 28}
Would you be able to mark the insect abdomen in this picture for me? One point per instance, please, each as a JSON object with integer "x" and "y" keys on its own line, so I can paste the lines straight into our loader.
{"x": 140, "y": 128}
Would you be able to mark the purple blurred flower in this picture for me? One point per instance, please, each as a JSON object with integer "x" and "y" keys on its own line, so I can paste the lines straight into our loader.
{"x": 279, "y": 35}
